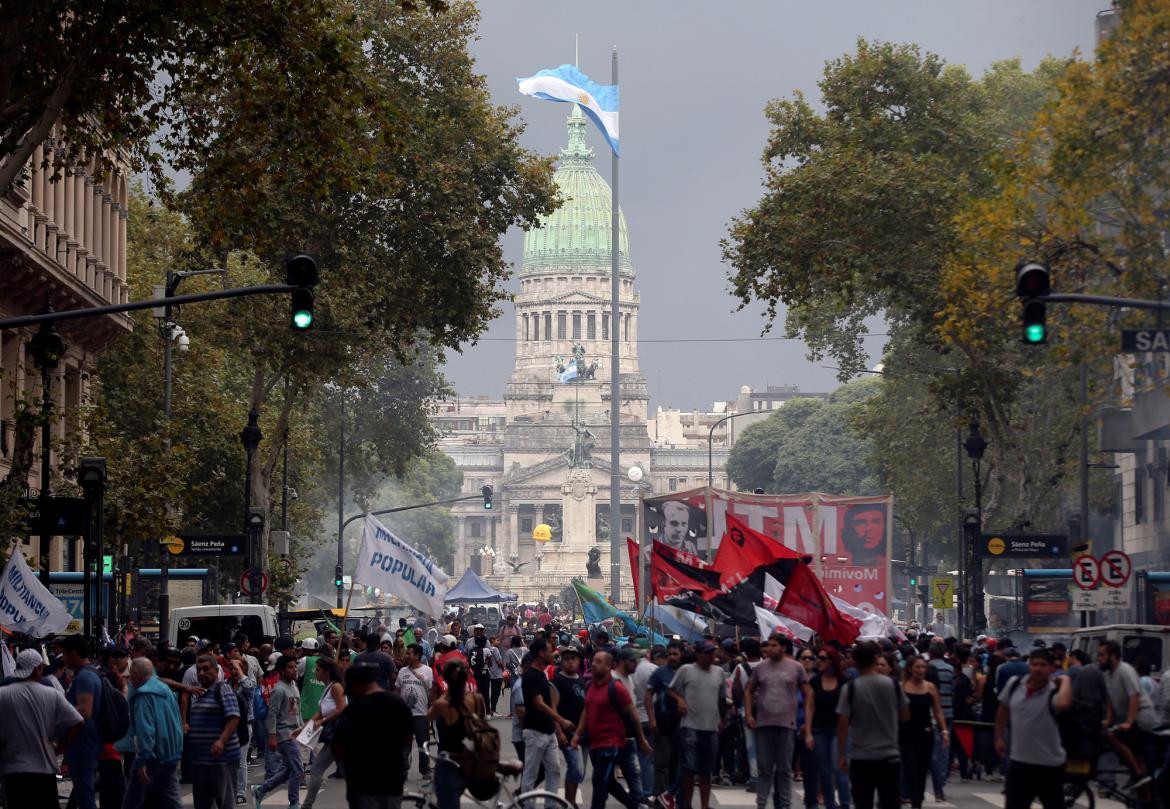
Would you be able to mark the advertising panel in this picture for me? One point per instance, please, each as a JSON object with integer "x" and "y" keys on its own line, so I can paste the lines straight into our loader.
{"x": 1048, "y": 601}
{"x": 847, "y": 537}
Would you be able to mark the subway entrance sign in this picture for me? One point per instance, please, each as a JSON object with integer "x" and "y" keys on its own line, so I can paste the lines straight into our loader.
{"x": 214, "y": 544}
{"x": 1022, "y": 546}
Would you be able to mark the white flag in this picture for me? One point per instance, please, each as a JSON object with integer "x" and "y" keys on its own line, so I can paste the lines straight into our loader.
{"x": 388, "y": 563}
{"x": 770, "y": 623}
{"x": 26, "y": 605}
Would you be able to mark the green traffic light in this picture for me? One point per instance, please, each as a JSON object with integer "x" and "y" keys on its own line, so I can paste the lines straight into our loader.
{"x": 1034, "y": 332}
{"x": 913, "y": 582}
{"x": 302, "y": 318}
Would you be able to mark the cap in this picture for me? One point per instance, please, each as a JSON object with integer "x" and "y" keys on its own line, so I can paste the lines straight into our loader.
{"x": 26, "y": 663}
{"x": 284, "y": 642}
{"x": 1011, "y": 651}
{"x": 641, "y": 643}
{"x": 704, "y": 646}
{"x": 449, "y": 640}
{"x": 387, "y": 638}
{"x": 476, "y": 626}
{"x": 309, "y": 643}
{"x": 980, "y": 638}
{"x": 227, "y": 647}
{"x": 728, "y": 643}
{"x": 628, "y": 652}
{"x": 570, "y": 650}
{"x": 584, "y": 633}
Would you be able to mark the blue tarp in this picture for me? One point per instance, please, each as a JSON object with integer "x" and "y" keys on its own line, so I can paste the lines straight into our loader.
{"x": 472, "y": 589}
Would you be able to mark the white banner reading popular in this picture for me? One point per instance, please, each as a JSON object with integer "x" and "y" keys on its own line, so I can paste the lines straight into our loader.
{"x": 388, "y": 563}
{"x": 25, "y": 605}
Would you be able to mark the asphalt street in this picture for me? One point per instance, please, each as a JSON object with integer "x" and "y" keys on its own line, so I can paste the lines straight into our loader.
{"x": 971, "y": 795}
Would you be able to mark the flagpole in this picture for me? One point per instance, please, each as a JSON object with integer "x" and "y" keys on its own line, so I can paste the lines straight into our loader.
{"x": 615, "y": 399}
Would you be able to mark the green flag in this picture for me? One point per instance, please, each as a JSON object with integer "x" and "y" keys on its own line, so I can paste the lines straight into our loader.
{"x": 408, "y": 639}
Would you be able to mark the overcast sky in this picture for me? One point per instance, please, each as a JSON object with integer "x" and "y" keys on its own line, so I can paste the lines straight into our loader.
{"x": 695, "y": 76}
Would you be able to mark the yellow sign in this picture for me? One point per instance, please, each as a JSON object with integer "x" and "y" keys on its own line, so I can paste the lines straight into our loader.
{"x": 542, "y": 533}
{"x": 942, "y": 593}
{"x": 174, "y": 544}
{"x": 996, "y": 546}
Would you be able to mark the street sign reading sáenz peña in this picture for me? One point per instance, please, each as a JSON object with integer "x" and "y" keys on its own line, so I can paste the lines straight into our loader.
{"x": 1022, "y": 546}
{"x": 1143, "y": 340}
{"x": 214, "y": 544}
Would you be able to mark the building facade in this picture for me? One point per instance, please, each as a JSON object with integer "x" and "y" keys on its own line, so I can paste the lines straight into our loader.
{"x": 63, "y": 244}
{"x": 545, "y": 448}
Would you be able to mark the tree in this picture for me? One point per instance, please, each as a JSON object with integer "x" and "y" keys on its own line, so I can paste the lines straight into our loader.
{"x": 111, "y": 71}
{"x": 862, "y": 217}
{"x": 808, "y": 445}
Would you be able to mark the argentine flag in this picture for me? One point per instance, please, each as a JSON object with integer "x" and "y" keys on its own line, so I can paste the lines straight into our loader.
{"x": 570, "y": 372}
{"x": 567, "y": 83}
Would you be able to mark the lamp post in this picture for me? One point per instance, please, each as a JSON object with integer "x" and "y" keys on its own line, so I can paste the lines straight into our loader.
{"x": 975, "y": 445}
{"x": 91, "y": 475}
{"x": 710, "y": 437}
{"x": 250, "y": 437}
{"x": 47, "y": 348}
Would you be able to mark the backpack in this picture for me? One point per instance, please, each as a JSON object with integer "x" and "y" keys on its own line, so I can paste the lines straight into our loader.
{"x": 665, "y": 712}
{"x": 480, "y": 755}
{"x": 241, "y": 726}
{"x": 111, "y": 711}
{"x": 736, "y": 686}
{"x": 262, "y": 694}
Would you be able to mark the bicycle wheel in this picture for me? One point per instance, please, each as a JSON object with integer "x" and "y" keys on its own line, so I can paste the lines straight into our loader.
{"x": 414, "y": 800}
{"x": 543, "y": 799}
{"x": 1078, "y": 795}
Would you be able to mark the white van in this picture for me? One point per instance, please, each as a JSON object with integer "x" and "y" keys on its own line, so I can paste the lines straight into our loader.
{"x": 1136, "y": 640}
{"x": 220, "y": 622}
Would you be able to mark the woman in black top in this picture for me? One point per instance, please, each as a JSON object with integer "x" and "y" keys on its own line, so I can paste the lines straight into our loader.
{"x": 826, "y": 686}
{"x": 915, "y": 738}
{"x": 448, "y": 713}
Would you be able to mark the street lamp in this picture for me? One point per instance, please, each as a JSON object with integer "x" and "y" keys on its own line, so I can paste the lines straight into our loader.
{"x": 975, "y": 445}
{"x": 47, "y": 348}
{"x": 711, "y": 435}
{"x": 250, "y": 437}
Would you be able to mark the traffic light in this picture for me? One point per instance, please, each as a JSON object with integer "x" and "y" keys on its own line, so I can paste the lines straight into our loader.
{"x": 300, "y": 271}
{"x": 338, "y": 581}
{"x": 913, "y": 581}
{"x": 1032, "y": 282}
{"x": 487, "y": 498}
{"x": 301, "y": 316}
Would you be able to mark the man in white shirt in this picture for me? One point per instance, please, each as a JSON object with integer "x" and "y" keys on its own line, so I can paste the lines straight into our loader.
{"x": 414, "y": 684}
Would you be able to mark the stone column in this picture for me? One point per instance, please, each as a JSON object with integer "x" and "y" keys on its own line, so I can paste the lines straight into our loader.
{"x": 512, "y": 542}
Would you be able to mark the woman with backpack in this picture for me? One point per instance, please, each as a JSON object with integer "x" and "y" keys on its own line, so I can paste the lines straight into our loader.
{"x": 450, "y": 713}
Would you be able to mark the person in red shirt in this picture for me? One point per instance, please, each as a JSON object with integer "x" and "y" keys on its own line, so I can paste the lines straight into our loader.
{"x": 609, "y": 718}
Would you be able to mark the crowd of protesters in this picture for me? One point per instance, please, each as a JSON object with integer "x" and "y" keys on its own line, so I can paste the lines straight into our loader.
{"x": 647, "y": 724}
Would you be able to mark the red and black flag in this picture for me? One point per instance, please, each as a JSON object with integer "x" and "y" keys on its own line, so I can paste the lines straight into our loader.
{"x": 806, "y": 601}
{"x": 745, "y": 553}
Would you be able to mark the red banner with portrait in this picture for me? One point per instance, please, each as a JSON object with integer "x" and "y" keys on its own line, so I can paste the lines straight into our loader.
{"x": 848, "y": 538}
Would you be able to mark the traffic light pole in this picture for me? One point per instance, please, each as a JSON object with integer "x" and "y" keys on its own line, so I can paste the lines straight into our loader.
{"x": 153, "y": 303}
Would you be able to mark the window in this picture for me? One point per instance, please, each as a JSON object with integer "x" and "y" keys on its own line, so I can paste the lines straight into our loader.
{"x": 536, "y": 327}
{"x": 605, "y": 327}
{"x": 561, "y": 326}
{"x": 526, "y": 328}
{"x": 576, "y": 325}
{"x": 476, "y": 528}
{"x": 627, "y": 526}
{"x": 1147, "y": 646}
{"x": 547, "y": 326}
{"x": 672, "y": 484}
{"x": 526, "y": 527}
{"x": 591, "y": 327}
{"x": 629, "y": 321}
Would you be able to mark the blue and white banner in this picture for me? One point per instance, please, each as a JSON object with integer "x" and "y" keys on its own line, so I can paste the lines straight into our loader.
{"x": 567, "y": 83}
{"x": 570, "y": 372}
{"x": 25, "y": 605}
{"x": 395, "y": 568}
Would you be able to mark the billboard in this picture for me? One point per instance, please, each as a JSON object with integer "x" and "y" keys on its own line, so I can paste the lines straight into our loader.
{"x": 848, "y": 538}
{"x": 1048, "y": 601}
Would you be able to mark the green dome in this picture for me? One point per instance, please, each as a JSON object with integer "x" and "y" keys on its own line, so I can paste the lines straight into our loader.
{"x": 576, "y": 236}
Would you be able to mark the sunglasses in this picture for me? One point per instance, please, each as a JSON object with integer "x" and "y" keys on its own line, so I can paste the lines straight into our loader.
{"x": 822, "y": 657}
